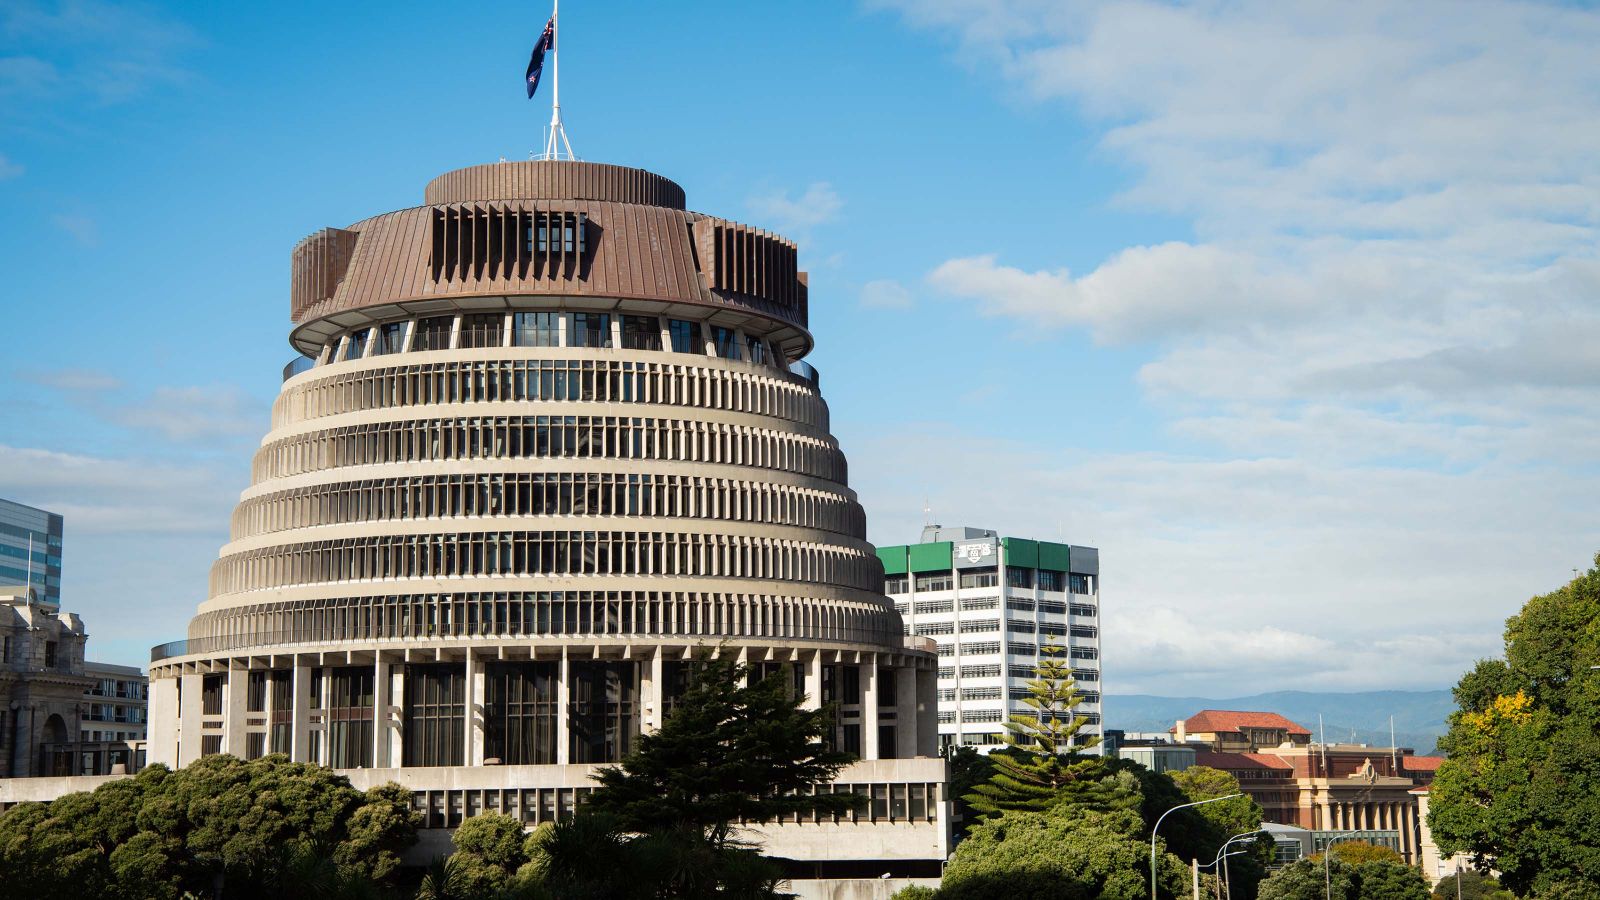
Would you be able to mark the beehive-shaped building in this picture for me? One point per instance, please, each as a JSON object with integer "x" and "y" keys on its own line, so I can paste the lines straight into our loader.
{"x": 549, "y": 434}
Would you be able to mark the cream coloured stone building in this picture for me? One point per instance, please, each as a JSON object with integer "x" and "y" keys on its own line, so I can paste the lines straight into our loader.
{"x": 548, "y": 435}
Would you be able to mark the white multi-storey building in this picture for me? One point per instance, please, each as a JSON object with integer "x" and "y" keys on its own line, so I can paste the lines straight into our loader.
{"x": 991, "y": 603}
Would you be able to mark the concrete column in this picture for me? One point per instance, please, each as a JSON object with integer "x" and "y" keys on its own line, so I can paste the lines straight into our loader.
{"x": 234, "y": 697}
{"x": 476, "y": 701}
{"x": 163, "y": 719}
{"x": 905, "y": 712}
{"x": 813, "y": 698}
{"x": 869, "y": 709}
{"x": 381, "y": 703}
{"x": 927, "y": 712}
{"x": 653, "y": 693}
{"x": 189, "y": 730}
{"x": 563, "y": 730}
{"x": 397, "y": 715}
{"x": 300, "y": 719}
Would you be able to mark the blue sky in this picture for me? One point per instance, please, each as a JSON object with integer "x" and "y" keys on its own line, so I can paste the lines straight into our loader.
{"x": 1292, "y": 311}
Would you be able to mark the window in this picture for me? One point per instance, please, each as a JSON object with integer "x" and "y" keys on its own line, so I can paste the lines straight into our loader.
{"x": 603, "y": 714}
{"x": 1080, "y": 584}
{"x": 981, "y": 648}
{"x": 436, "y": 706}
{"x": 255, "y": 745}
{"x": 521, "y": 715}
{"x": 934, "y": 581}
{"x": 1051, "y": 580}
{"x": 978, "y": 578}
{"x": 980, "y": 693}
{"x": 591, "y": 330}
{"x": 355, "y": 346}
{"x": 349, "y": 717}
{"x": 211, "y": 694}
{"x": 972, "y": 604}
{"x": 935, "y": 606}
{"x": 49, "y": 654}
{"x": 482, "y": 330}
{"x": 539, "y": 329}
{"x": 1019, "y": 603}
{"x": 210, "y": 744}
{"x": 892, "y": 584}
{"x": 433, "y": 333}
{"x": 641, "y": 333}
{"x": 391, "y": 339}
{"x": 727, "y": 346}
{"x": 1019, "y": 577}
{"x": 755, "y": 349}
{"x": 980, "y": 625}
{"x": 686, "y": 336}
{"x": 255, "y": 692}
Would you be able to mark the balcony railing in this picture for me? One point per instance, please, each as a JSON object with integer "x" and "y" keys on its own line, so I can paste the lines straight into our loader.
{"x": 168, "y": 650}
{"x": 806, "y": 371}
{"x": 297, "y": 365}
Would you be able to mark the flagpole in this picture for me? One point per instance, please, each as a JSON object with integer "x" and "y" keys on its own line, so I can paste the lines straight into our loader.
{"x": 552, "y": 150}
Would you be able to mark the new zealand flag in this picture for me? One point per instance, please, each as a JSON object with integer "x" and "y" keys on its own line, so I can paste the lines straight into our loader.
{"x": 546, "y": 42}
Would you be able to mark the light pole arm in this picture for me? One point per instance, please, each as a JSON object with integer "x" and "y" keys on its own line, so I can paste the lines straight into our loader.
{"x": 1157, "y": 827}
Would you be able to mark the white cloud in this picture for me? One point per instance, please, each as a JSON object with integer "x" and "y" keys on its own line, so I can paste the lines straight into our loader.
{"x": 191, "y": 413}
{"x": 885, "y": 293}
{"x": 818, "y": 205}
{"x": 83, "y": 229}
{"x": 107, "y": 495}
{"x": 85, "y": 380}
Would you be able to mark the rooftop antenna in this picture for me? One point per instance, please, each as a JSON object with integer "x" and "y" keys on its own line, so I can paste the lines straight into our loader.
{"x": 927, "y": 511}
{"x": 1394, "y": 751}
{"x": 556, "y": 139}
{"x": 1323, "y": 740}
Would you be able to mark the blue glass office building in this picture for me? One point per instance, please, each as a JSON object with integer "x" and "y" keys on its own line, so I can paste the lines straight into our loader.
{"x": 22, "y": 528}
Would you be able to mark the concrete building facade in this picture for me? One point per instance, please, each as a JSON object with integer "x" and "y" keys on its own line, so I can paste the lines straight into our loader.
{"x": 41, "y": 685}
{"x": 116, "y": 703}
{"x": 991, "y": 603}
{"x": 549, "y": 435}
{"x": 25, "y": 530}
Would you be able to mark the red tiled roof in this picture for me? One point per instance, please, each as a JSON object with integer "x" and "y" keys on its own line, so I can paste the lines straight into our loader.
{"x": 1420, "y": 763}
{"x": 1238, "y": 762}
{"x": 1212, "y": 721}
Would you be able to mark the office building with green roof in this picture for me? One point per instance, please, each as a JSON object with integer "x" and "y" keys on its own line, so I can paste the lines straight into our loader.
{"x": 990, "y": 603}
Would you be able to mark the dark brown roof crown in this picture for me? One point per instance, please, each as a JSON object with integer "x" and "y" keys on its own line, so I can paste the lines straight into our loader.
{"x": 553, "y": 180}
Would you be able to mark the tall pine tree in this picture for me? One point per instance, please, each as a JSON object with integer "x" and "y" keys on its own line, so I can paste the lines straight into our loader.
{"x": 731, "y": 751}
{"x": 1041, "y": 758}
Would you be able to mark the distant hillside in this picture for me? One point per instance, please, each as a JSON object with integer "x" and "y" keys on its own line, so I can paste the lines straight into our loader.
{"x": 1418, "y": 715}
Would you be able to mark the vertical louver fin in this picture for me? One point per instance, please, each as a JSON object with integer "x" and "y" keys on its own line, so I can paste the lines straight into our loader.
{"x": 316, "y": 267}
{"x": 738, "y": 259}
{"x": 502, "y": 243}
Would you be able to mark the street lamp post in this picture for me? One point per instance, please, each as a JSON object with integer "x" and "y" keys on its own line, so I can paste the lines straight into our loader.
{"x": 1223, "y": 854}
{"x": 1157, "y": 827}
{"x": 1327, "y": 854}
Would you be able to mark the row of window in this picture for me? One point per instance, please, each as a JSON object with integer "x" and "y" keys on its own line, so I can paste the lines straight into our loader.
{"x": 541, "y": 553}
{"x": 550, "y": 329}
{"x": 552, "y": 380}
{"x": 1016, "y": 576}
{"x": 979, "y": 626}
{"x": 979, "y": 604}
{"x": 993, "y": 671}
{"x": 524, "y": 437}
{"x": 549, "y": 494}
{"x": 535, "y": 613}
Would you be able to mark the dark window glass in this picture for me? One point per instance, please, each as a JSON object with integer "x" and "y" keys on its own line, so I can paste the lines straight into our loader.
{"x": 1019, "y": 577}
{"x": 604, "y": 715}
{"x": 391, "y": 339}
{"x": 483, "y": 330}
{"x": 520, "y": 720}
{"x": 350, "y": 718}
{"x": 49, "y": 654}
{"x": 435, "y": 715}
{"x": 1080, "y": 584}
{"x": 686, "y": 336}
{"x": 210, "y": 744}
{"x": 255, "y": 745}
{"x": 355, "y": 346}
{"x": 886, "y": 747}
{"x": 850, "y": 683}
{"x": 725, "y": 339}
{"x": 591, "y": 330}
{"x": 211, "y": 694}
{"x": 1051, "y": 580}
{"x": 756, "y": 350}
{"x": 641, "y": 333}
{"x": 255, "y": 692}
{"x": 539, "y": 329}
{"x": 433, "y": 333}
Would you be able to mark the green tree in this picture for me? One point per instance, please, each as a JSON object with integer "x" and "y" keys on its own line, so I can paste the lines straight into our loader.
{"x": 1041, "y": 756}
{"x": 965, "y": 769}
{"x": 1520, "y": 789}
{"x": 1303, "y": 880}
{"x": 730, "y": 751}
{"x": 1357, "y": 852}
{"x": 1220, "y": 821}
{"x": 1470, "y": 885}
{"x": 1062, "y": 854}
{"x": 263, "y": 828}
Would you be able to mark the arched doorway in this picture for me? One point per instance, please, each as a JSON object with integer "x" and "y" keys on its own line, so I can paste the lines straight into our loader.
{"x": 55, "y": 757}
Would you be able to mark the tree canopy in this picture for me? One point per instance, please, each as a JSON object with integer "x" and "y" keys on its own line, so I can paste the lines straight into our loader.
{"x": 1520, "y": 788}
{"x": 730, "y": 751}
{"x": 1044, "y": 747}
{"x": 263, "y": 828}
{"x": 1369, "y": 880}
